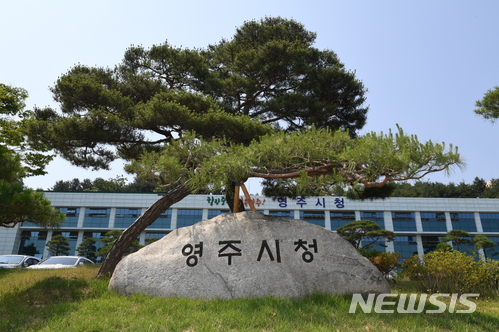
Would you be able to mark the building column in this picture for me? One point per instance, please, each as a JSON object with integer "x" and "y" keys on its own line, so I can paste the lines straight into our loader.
{"x": 419, "y": 242}
{"x": 81, "y": 217}
{"x": 327, "y": 219}
{"x": 419, "y": 223}
{"x": 478, "y": 223}
{"x": 448, "y": 221}
{"x": 112, "y": 218}
{"x": 387, "y": 217}
{"x": 173, "y": 223}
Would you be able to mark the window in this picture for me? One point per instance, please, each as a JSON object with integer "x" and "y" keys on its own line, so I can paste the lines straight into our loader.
{"x": 126, "y": 217}
{"x": 339, "y": 219}
{"x": 188, "y": 217}
{"x": 430, "y": 243}
{"x": 215, "y": 213}
{"x": 433, "y": 221}
{"x": 282, "y": 214}
{"x": 463, "y": 221}
{"x": 377, "y": 217}
{"x": 313, "y": 217}
{"x": 403, "y": 221}
{"x": 96, "y": 217}
{"x": 406, "y": 246}
{"x": 164, "y": 221}
{"x": 490, "y": 222}
{"x": 71, "y": 237}
{"x": 32, "y": 243}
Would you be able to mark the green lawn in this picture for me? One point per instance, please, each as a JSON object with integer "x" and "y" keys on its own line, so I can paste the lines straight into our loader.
{"x": 71, "y": 300}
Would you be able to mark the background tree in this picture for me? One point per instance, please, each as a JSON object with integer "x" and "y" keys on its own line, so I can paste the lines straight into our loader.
{"x": 109, "y": 240}
{"x": 483, "y": 242}
{"x": 457, "y": 237}
{"x": 58, "y": 246}
{"x": 87, "y": 248}
{"x": 182, "y": 112}
{"x": 488, "y": 106}
{"x": 364, "y": 233}
{"x": 386, "y": 262}
{"x": 19, "y": 204}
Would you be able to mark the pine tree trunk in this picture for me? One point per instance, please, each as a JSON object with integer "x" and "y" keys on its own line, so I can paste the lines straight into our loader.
{"x": 130, "y": 234}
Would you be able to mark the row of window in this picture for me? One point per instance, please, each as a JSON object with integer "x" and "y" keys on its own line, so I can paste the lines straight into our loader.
{"x": 402, "y": 221}
{"x": 33, "y": 243}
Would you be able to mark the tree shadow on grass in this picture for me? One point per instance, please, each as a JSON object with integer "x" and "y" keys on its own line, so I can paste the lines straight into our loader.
{"x": 22, "y": 310}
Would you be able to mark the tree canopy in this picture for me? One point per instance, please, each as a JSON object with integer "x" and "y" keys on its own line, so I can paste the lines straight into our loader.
{"x": 364, "y": 233}
{"x": 488, "y": 106}
{"x": 264, "y": 103}
{"x": 17, "y": 203}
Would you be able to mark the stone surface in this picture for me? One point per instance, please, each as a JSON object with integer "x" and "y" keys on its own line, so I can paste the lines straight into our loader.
{"x": 247, "y": 254}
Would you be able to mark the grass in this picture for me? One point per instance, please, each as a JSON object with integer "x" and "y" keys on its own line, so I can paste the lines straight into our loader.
{"x": 72, "y": 300}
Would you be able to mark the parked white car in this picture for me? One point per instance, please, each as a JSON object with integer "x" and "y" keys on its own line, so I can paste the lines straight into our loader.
{"x": 16, "y": 261}
{"x": 62, "y": 262}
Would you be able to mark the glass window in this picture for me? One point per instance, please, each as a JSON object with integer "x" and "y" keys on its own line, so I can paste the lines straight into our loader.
{"x": 96, "y": 217}
{"x": 406, "y": 246}
{"x": 72, "y": 215}
{"x": 97, "y": 236}
{"x": 430, "y": 243}
{"x": 342, "y": 218}
{"x": 152, "y": 237}
{"x": 377, "y": 217}
{"x": 214, "y": 213}
{"x": 313, "y": 217}
{"x": 126, "y": 217}
{"x": 188, "y": 217}
{"x": 490, "y": 222}
{"x": 403, "y": 221}
{"x": 33, "y": 243}
{"x": 493, "y": 252}
{"x": 433, "y": 221}
{"x": 71, "y": 237}
{"x": 164, "y": 221}
{"x": 282, "y": 214}
{"x": 463, "y": 221}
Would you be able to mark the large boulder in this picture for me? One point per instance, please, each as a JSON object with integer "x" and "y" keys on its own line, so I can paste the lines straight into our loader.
{"x": 248, "y": 254}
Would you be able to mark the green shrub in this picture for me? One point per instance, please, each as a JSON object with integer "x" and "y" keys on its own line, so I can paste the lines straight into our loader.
{"x": 452, "y": 272}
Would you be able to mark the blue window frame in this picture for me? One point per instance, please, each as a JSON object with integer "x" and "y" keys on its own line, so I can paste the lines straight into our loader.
{"x": 342, "y": 218}
{"x": 164, "y": 221}
{"x": 188, "y": 217}
{"x": 151, "y": 237}
{"x": 406, "y": 246}
{"x": 377, "y": 217}
{"x": 430, "y": 242}
{"x": 125, "y": 217}
{"x": 33, "y": 243}
{"x": 463, "y": 221}
{"x": 433, "y": 222}
{"x": 97, "y": 236}
{"x": 490, "y": 222}
{"x": 403, "y": 221}
{"x": 72, "y": 215}
{"x": 282, "y": 214}
{"x": 215, "y": 213}
{"x": 313, "y": 217}
{"x": 71, "y": 237}
{"x": 96, "y": 217}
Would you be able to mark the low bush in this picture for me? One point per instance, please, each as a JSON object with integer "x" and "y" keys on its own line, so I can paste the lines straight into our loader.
{"x": 453, "y": 272}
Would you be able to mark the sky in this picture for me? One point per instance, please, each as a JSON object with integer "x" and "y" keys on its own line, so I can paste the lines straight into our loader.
{"x": 425, "y": 63}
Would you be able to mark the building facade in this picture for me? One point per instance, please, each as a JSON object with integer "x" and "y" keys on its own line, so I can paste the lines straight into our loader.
{"x": 418, "y": 223}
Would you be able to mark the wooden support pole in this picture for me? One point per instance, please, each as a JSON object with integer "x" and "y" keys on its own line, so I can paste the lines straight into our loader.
{"x": 236, "y": 198}
{"x": 248, "y": 197}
